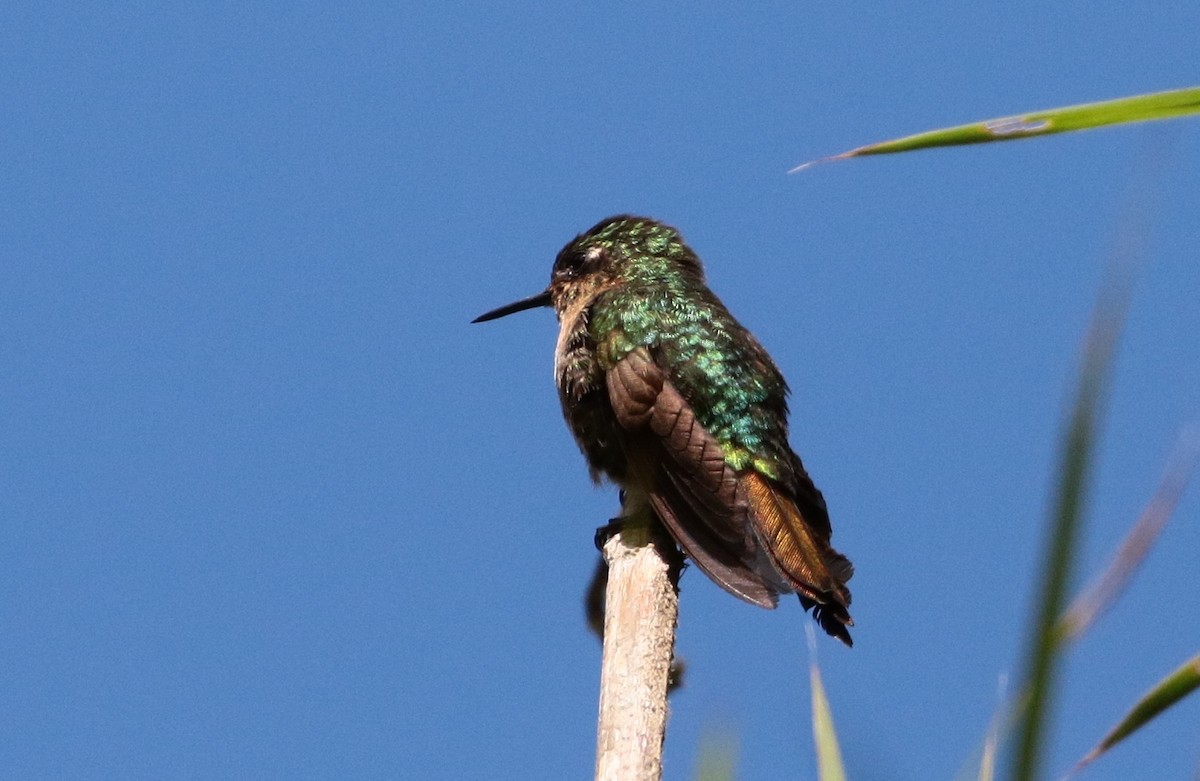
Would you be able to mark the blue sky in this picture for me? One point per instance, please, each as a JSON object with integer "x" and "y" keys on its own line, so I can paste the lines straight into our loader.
{"x": 272, "y": 508}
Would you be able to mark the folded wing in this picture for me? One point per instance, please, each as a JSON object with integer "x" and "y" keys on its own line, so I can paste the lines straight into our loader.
{"x": 744, "y": 530}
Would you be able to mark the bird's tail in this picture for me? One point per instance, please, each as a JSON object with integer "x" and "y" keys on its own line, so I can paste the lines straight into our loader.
{"x": 800, "y": 550}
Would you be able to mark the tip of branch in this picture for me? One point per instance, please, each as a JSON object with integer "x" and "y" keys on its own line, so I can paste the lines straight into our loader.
{"x": 822, "y": 160}
{"x": 1081, "y": 764}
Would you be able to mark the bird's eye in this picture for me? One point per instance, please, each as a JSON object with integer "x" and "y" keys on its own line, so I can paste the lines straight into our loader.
{"x": 572, "y": 264}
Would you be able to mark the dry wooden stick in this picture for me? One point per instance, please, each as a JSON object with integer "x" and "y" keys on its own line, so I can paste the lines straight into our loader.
{"x": 641, "y": 609}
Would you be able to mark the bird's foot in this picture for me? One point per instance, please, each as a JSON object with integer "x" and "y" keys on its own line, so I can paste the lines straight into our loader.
{"x": 609, "y": 530}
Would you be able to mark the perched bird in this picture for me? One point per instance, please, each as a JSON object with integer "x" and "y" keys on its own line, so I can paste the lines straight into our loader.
{"x": 673, "y": 400}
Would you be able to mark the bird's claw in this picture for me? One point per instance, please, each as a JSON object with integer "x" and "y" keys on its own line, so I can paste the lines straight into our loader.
{"x": 606, "y": 532}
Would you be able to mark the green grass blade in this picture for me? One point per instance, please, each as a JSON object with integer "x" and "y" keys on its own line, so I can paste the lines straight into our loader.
{"x": 1166, "y": 693}
{"x": 829, "y": 755}
{"x": 1085, "y": 116}
{"x": 987, "y": 762}
{"x": 718, "y": 757}
{"x": 1077, "y": 447}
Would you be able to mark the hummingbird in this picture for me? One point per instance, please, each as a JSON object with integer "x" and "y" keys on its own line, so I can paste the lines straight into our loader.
{"x": 672, "y": 399}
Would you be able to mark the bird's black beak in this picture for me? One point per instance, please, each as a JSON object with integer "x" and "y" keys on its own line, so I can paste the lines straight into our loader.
{"x": 541, "y": 299}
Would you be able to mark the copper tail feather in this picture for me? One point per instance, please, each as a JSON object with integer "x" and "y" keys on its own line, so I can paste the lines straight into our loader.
{"x": 803, "y": 555}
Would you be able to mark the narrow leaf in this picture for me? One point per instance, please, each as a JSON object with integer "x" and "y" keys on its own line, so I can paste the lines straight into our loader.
{"x": 829, "y": 755}
{"x": 1105, "y": 590}
{"x": 987, "y": 763}
{"x": 1166, "y": 693}
{"x": 999, "y": 726}
{"x": 981, "y": 766}
{"x": 718, "y": 757}
{"x": 1045, "y": 639}
{"x": 1139, "y": 108}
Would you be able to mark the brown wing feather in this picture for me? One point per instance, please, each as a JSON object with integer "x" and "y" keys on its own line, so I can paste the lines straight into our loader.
{"x": 682, "y": 470}
{"x": 744, "y": 531}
